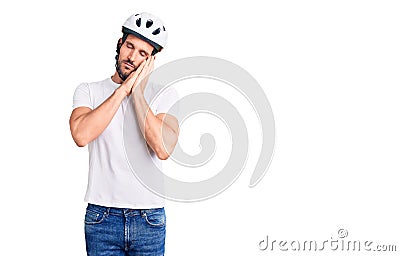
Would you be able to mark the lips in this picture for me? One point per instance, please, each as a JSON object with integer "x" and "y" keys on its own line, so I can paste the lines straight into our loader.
{"x": 129, "y": 65}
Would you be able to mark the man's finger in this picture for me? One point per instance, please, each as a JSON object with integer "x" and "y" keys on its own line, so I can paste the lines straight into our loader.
{"x": 149, "y": 66}
{"x": 133, "y": 76}
{"x": 152, "y": 63}
{"x": 146, "y": 66}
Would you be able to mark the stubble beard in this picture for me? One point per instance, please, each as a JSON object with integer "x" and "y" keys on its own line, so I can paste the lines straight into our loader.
{"x": 123, "y": 75}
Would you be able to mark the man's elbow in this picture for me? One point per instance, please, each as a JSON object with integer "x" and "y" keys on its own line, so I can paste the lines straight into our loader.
{"x": 162, "y": 155}
{"x": 80, "y": 143}
{"x": 79, "y": 139}
{"x": 164, "y": 148}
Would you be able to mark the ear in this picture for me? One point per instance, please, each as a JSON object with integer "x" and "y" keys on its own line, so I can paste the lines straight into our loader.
{"x": 119, "y": 43}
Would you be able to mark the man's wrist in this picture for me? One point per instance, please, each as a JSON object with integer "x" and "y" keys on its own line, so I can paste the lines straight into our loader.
{"x": 121, "y": 92}
{"x": 137, "y": 92}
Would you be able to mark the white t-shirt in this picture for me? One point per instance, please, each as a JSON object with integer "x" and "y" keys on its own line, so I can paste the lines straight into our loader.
{"x": 111, "y": 181}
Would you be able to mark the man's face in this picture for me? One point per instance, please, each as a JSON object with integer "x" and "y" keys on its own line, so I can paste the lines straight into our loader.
{"x": 132, "y": 53}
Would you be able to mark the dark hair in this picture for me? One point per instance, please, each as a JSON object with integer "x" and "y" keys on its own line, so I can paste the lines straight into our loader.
{"x": 124, "y": 37}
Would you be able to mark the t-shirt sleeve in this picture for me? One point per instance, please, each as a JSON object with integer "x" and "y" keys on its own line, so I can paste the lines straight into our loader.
{"x": 168, "y": 102}
{"x": 82, "y": 96}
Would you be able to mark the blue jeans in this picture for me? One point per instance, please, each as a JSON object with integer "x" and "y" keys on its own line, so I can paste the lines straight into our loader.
{"x": 120, "y": 231}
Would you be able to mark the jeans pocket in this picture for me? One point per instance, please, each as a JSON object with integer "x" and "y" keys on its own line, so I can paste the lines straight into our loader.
{"x": 155, "y": 218}
{"x": 94, "y": 217}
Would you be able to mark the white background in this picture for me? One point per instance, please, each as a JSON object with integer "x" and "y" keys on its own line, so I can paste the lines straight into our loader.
{"x": 330, "y": 70}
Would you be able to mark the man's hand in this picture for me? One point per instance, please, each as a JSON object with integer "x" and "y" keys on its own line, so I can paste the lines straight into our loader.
{"x": 130, "y": 82}
{"x": 144, "y": 75}
{"x": 136, "y": 77}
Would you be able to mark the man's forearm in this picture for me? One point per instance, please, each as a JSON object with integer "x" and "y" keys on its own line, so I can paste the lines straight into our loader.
{"x": 90, "y": 125}
{"x": 159, "y": 136}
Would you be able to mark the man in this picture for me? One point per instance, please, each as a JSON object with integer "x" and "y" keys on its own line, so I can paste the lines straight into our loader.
{"x": 122, "y": 216}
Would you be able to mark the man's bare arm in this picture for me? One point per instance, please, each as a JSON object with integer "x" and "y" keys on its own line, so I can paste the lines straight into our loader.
{"x": 86, "y": 124}
{"x": 161, "y": 132}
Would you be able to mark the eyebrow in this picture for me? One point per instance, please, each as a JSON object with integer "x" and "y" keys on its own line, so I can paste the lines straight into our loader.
{"x": 142, "y": 51}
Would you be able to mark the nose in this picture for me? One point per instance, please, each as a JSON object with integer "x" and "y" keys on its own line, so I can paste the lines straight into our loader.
{"x": 133, "y": 56}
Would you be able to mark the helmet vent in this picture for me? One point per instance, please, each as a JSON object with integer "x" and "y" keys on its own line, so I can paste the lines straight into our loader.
{"x": 149, "y": 23}
{"x": 147, "y": 27}
{"x": 157, "y": 31}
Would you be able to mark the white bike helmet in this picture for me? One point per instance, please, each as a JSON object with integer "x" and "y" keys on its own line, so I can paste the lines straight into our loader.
{"x": 148, "y": 28}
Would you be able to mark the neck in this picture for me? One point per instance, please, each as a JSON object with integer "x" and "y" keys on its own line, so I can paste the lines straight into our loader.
{"x": 116, "y": 79}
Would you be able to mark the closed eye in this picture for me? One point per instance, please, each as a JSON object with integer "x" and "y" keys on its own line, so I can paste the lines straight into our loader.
{"x": 130, "y": 45}
{"x": 143, "y": 54}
